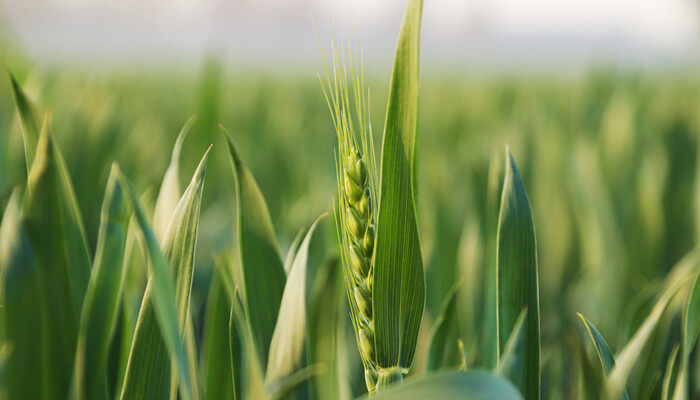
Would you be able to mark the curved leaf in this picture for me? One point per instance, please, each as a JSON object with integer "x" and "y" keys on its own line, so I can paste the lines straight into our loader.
{"x": 44, "y": 223}
{"x": 607, "y": 360}
{"x": 288, "y": 349}
{"x": 72, "y": 227}
{"x": 22, "y": 374}
{"x": 215, "y": 359}
{"x": 103, "y": 295}
{"x": 669, "y": 372}
{"x": 517, "y": 278}
{"x": 512, "y": 361}
{"x": 398, "y": 295}
{"x": 261, "y": 264}
{"x": 630, "y": 354}
{"x": 29, "y": 117}
{"x": 469, "y": 385}
{"x": 169, "y": 194}
{"x": 443, "y": 350}
{"x": 161, "y": 321}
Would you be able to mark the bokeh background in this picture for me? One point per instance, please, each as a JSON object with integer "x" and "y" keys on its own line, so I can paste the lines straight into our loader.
{"x": 598, "y": 100}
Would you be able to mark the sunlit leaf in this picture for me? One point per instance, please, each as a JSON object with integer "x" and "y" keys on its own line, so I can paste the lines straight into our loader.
{"x": 398, "y": 295}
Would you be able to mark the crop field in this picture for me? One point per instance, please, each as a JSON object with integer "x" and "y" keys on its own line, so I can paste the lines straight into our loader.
{"x": 346, "y": 233}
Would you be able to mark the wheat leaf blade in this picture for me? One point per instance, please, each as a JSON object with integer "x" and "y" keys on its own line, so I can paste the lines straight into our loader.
{"x": 103, "y": 295}
{"x": 215, "y": 360}
{"x": 443, "y": 350}
{"x": 20, "y": 284}
{"x": 288, "y": 348}
{"x": 159, "y": 330}
{"x": 29, "y": 118}
{"x": 261, "y": 264}
{"x": 469, "y": 385}
{"x": 169, "y": 194}
{"x": 44, "y": 224}
{"x": 512, "y": 361}
{"x": 517, "y": 277}
{"x": 399, "y": 284}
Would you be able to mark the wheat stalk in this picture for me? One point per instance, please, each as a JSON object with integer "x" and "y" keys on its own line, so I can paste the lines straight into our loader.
{"x": 355, "y": 213}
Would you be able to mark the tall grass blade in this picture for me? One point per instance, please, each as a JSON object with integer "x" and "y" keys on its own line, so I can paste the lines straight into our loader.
{"x": 469, "y": 385}
{"x": 443, "y": 351}
{"x": 73, "y": 227}
{"x": 169, "y": 194}
{"x": 326, "y": 321}
{"x": 251, "y": 375}
{"x": 512, "y": 361}
{"x": 398, "y": 295}
{"x": 607, "y": 360}
{"x": 261, "y": 265}
{"x": 629, "y": 355}
{"x": 161, "y": 322}
{"x": 493, "y": 200}
{"x": 691, "y": 328}
{"x": 24, "y": 320}
{"x": 99, "y": 314}
{"x": 215, "y": 359}
{"x": 288, "y": 349}
{"x": 44, "y": 225}
{"x": 30, "y": 118}
{"x": 517, "y": 278}
{"x": 669, "y": 374}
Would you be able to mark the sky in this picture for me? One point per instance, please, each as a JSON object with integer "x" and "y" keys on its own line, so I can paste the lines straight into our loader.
{"x": 283, "y": 33}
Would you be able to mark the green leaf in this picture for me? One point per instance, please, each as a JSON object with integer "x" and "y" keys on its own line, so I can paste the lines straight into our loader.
{"x": 73, "y": 228}
{"x": 169, "y": 194}
{"x": 30, "y": 118}
{"x": 668, "y": 375}
{"x": 292, "y": 252}
{"x": 592, "y": 376}
{"x": 160, "y": 327}
{"x": 517, "y": 278}
{"x": 103, "y": 295}
{"x": 20, "y": 293}
{"x": 261, "y": 265}
{"x": 43, "y": 222}
{"x": 235, "y": 356}
{"x": 607, "y": 360}
{"x": 288, "y": 349}
{"x": 489, "y": 336}
{"x": 469, "y": 385}
{"x": 398, "y": 295}
{"x": 512, "y": 361}
{"x": 215, "y": 359}
{"x": 691, "y": 328}
{"x": 327, "y": 323}
{"x": 443, "y": 350}
{"x": 251, "y": 371}
{"x": 629, "y": 355}
{"x": 285, "y": 387}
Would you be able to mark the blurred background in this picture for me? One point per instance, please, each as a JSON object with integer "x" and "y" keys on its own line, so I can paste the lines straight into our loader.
{"x": 599, "y": 101}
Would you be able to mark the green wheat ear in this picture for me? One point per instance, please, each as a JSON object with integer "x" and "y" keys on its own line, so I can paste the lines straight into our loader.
{"x": 355, "y": 213}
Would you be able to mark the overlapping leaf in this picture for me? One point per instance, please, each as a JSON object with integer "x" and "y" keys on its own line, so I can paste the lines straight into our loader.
{"x": 161, "y": 322}
{"x": 518, "y": 285}
{"x": 23, "y": 320}
{"x": 607, "y": 360}
{"x": 288, "y": 349}
{"x": 43, "y": 222}
{"x": 398, "y": 295}
{"x": 99, "y": 313}
{"x": 169, "y": 194}
{"x": 72, "y": 227}
{"x": 443, "y": 350}
{"x": 263, "y": 276}
{"x": 469, "y": 385}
